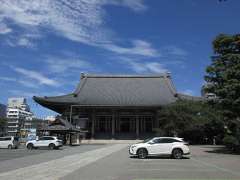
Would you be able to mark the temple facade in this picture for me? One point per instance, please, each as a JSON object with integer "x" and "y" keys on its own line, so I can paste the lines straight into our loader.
{"x": 115, "y": 106}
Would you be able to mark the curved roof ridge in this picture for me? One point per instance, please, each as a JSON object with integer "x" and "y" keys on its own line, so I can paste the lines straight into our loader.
{"x": 171, "y": 85}
{"x": 52, "y": 97}
{"x": 80, "y": 85}
{"x": 162, "y": 75}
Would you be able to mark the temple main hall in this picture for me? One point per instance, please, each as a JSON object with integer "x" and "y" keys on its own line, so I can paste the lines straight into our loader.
{"x": 116, "y": 106}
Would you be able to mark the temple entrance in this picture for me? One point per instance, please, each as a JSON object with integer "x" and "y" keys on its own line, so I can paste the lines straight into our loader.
{"x": 121, "y": 125}
{"x": 146, "y": 123}
{"x": 127, "y": 124}
{"x": 103, "y": 124}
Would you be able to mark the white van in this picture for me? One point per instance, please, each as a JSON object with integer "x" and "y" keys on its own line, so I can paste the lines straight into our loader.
{"x": 9, "y": 142}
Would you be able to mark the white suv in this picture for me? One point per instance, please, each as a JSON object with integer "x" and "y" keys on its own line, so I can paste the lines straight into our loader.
{"x": 9, "y": 142}
{"x": 51, "y": 142}
{"x": 172, "y": 146}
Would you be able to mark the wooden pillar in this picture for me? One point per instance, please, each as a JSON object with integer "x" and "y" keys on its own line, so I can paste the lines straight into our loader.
{"x": 93, "y": 123}
{"x": 156, "y": 118}
{"x": 70, "y": 139}
{"x": 137, "y": 126}
{"x": 113, "y": 124}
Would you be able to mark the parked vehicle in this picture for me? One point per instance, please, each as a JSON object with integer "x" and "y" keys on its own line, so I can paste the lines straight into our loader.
{"x": 51, "y": 142}
{"x": 171, "y": 146}
{"x": 9, "y": 142}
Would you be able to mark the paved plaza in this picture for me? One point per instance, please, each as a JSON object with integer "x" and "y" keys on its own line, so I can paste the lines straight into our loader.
{"x": 112, "y": 162}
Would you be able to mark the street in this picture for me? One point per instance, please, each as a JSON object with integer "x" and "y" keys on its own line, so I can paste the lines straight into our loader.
{"x": 112, "y": 162}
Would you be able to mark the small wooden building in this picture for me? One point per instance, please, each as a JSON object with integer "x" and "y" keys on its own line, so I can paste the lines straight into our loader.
{"x": 63, "y": 130}
{"x": 115, "y": 106}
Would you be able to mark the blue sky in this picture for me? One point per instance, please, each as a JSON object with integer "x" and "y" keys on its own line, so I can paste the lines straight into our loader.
{"x": 46, "y": 44}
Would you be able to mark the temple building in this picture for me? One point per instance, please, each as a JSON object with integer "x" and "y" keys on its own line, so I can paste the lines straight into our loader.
{"x": 115, "y": 106}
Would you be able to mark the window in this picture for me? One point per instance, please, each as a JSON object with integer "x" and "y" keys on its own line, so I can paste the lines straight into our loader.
{"x": 157, "y": 141}
{"x": 175, "y": 140}
{"x": 41, "y": 139}
{"x": 165, "y": 140}
{"x": 47, "y": 138}
{"x": 8, "y": 139}
{"x": 5, "y": 139}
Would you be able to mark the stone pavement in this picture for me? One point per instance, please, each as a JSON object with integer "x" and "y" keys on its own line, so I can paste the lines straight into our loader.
{"x": 54, "y": 169}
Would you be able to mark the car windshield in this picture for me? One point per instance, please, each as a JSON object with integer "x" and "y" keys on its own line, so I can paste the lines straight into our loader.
{"x": 146, "y": 140}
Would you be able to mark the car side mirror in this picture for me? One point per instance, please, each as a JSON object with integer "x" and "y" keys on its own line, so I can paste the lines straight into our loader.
{"x": 151, "y": 143}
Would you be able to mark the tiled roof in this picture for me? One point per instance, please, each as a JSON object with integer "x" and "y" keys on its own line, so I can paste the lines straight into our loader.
{"x": 118, "y": 90}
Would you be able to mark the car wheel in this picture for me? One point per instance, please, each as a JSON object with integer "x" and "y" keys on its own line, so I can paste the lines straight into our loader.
{"x": 10, "y": 146}
{"x": 177, "y": 154}
{"x": 30, "y": 146}
{"x": 51, "y": 146}
{"x": 142, "y": 153}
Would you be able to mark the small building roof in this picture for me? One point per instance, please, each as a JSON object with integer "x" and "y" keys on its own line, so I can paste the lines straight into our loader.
{"x": 116, "y": 90}
{"x": 59, "y": 125}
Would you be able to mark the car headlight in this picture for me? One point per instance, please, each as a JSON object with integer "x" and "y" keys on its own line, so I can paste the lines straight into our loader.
{"x": 133, "y": 146}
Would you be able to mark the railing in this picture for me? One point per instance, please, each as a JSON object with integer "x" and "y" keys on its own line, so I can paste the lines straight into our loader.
{"x": 13, "y": 121}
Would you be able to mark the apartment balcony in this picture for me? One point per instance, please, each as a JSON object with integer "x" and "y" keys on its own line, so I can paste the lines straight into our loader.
{"x": 13, "y": 126}
{"x": 13, "y": 121}
{"x": 13, "y": 117}
{"x": 12, "y": 131}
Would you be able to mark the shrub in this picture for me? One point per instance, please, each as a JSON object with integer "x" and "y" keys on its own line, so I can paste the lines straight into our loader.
{"x": 230, "y": 142}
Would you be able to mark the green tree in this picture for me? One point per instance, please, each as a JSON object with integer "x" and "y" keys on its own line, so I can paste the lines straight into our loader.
{"x": 223, "y": 75}
{"x": 194, "y": 121}
{"x": 223, "y": 78}
{"x": 3, "y": 122}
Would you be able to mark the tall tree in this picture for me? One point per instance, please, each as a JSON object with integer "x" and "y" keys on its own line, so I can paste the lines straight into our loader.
{"x": 223, "y": 78}
{"x": 223, "y": 75}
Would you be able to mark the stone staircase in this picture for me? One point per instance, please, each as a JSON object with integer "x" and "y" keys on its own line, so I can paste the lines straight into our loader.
{"x": 108, "y": 141}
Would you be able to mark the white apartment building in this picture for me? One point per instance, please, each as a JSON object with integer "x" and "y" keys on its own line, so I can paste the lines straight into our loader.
{"x": 19, "y": 116}
{"x": 207, "y": 95}
{"x": 19, "y": 103}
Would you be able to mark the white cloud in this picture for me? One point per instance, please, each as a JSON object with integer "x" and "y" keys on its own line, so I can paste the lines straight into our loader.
{"x": 140, "y": 47}
{"x": 57, "y": 65}
{"x": 4, "y": 29}
{"x": 31, "y": 94}
{"x": 28, "y": 83}
{"x": 9, "y": 79}
{"x": 147, "y": 67}
{"x": 23, "y": 82}
{"x": 81, "y": 21}
{"x": 176, "y": 51}
{"x": 188, "y": 92}
{"x": 21, "y": 93}
{"x": 155, "y": 67}
{"x": 33, "y": 75}
{"x": 136, "y": 5}
{"x": 24, "y": 42}
{"x": 75, "y": 20}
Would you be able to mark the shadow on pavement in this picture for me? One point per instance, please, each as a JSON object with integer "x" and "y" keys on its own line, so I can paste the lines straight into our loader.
{"x": 158, "y": 157}
{"x": 221, "y": 150}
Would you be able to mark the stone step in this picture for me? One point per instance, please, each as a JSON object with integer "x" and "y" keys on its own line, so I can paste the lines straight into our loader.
{"x": 107, "y": 141}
